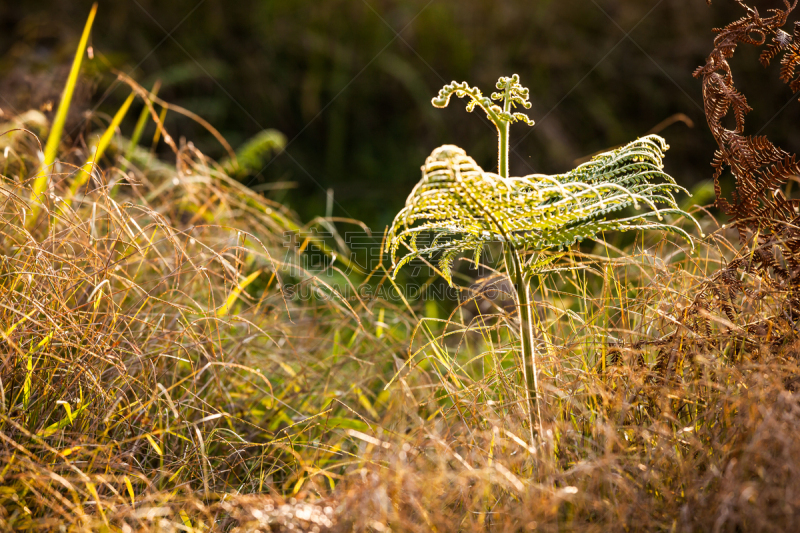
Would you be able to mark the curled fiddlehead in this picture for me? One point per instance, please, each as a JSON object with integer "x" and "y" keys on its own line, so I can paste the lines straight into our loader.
{"x": 510, "y": 91}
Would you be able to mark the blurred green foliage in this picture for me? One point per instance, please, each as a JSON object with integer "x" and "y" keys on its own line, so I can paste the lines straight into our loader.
{"x": 349, "y": 82}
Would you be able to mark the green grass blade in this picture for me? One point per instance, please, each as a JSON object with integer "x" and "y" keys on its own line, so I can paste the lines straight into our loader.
{"x": 84, "y": 173}
{"x": 235, "y": 293}
{"x": 139, "y": 128}
{"x": 65, "y": 421}
{"x": 54, "y": 138}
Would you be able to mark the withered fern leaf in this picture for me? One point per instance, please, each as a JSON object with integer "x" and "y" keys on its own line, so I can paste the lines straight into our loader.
{"x": 766, "y": 221}
{"x": 759, "y": 167}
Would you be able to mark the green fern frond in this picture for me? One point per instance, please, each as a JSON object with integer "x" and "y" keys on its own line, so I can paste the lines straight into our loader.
{"x": 251, "y": 157}
{"x": 463, "y": 207}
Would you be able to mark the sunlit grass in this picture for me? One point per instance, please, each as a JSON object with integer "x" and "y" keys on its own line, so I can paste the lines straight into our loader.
{"x": 158, "y": 372}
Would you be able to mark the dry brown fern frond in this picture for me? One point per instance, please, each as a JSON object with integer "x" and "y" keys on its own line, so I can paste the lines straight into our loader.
{"x": 759, "y": 167}
{"x": 764, "y": 218}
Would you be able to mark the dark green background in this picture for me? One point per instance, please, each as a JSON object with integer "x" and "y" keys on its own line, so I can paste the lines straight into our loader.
{"x": 353, "y": 96}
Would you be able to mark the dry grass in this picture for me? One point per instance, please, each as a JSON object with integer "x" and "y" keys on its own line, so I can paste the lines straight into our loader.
{"x": 655, "y": 419}
{"x": 138, "y": 369}
{"x": 156, "y": 377}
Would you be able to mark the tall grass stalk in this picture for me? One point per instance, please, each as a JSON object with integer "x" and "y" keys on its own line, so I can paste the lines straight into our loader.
{"x": 57, "y": 127}
{"x": 85, "y": 172}
{"x": 136, "y": 136}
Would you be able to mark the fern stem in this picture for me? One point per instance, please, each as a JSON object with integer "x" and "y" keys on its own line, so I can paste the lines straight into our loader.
{"x": 503, "y": 127}
{"x": 502, "y": 151}
{"x": 517, "y": 277}
{"x": 529, "y": 367}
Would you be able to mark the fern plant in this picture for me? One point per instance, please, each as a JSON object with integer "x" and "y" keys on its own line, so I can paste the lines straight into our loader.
{"x": 462, "y": 208}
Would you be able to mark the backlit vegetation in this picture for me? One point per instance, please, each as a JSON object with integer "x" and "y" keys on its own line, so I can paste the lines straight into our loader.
{"x": 158, "y": 373}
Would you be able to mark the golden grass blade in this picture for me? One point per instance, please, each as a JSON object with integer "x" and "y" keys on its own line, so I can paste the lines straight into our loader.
{"x": 129, "y": 486}
{"x": 154, "y": 444}
{"x": 14, "y": 326}
{"x": 93, "y": 491}
{"x": 29, "y": 367}
{"x": 159, "y": 130}
{"x": 235, "y": 293}
{"x": 140, "y": 124}
{"x": 186, "y": 521}
{"x": 66, "y": 421}
{"x": 380, "y": 324}
{"x": 135, "y": 136}
{"x": 85, "y": 171}
{"x": 54, "y": 138}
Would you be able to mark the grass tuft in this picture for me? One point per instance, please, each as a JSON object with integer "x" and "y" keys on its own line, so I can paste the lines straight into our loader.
{"x": 168, "y": 362}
